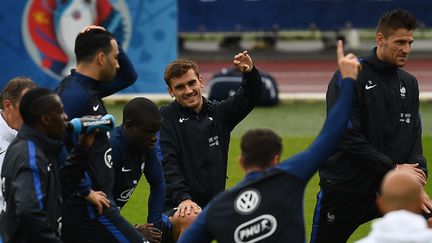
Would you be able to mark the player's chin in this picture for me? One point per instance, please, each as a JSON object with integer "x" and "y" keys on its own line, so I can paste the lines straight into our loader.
{"x": 191, "y": 103}
{"x": 401, "y": 61}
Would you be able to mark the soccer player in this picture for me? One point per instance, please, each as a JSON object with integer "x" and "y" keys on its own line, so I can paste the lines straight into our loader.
{"x": 134, "y": 154}
{"x": 10, "y": 119}
{"x": 102, "y": 69}
{"x": 384, "y": 133}
{"x": 195, "y": 133}
{"x": 32, "y": 183}
{"x": 267, "y": 206}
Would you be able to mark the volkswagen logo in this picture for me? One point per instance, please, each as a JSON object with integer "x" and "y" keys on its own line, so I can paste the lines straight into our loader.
{"x": 247, "y": 201}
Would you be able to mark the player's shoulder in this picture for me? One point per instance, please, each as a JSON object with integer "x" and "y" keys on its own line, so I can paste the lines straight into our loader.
{"x": 406, "y": 76}
{"x": 169, "y": 108}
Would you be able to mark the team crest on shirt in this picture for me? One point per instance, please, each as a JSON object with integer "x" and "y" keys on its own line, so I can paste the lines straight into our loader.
{"x": 108, "y": 158}
{"x": 330, "y": 217}
{"x": 247, "y": 201}
{"x": 256, "y": 229}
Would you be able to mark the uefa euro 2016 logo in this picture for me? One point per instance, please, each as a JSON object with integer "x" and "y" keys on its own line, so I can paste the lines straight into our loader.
{"x": 51, "y": 26}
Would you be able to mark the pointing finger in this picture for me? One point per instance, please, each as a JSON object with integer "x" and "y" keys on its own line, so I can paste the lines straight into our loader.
{"x": 339, "y": 50}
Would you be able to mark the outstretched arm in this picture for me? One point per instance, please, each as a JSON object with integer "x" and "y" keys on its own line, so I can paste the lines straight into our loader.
{"x": 305, "y": 164}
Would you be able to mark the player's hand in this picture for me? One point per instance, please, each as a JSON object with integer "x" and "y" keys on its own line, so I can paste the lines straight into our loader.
{"x": 413, "y": 168}
{"x": 187, "y": 207}
{"x": 89, "y": 27}
{"x": 99, "y": 199}
{"x": 349, "y": 66}
{"x": 151, "y": 233}
{"x": 87, "y": 139}
{"x": 243, "y": 62}
{"x": 426, "y": 202}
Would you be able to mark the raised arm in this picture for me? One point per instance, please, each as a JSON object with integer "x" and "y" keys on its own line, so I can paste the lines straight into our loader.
{"x": 238, "y": 106}
{"x": 125, "y": 77}
{"x": 305, "y": 164}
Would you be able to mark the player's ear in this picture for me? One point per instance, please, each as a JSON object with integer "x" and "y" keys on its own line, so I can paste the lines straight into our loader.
{"x": 170, "y": 92}
{"x": 100, "y": 58}
{"x": 7, "y": 105}
{"x": 380, "y": 39}
{"x": 241, "y": 162}
{"x": 200, "y": 79}
{"x": 128, "y": 125}
{"x": 381, "y": 205}
{"x": 45, "y": 119}
{"x": 276, "y": 160}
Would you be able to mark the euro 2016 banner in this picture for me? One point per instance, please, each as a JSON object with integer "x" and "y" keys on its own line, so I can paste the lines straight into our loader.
{"x": 37, "y": 37}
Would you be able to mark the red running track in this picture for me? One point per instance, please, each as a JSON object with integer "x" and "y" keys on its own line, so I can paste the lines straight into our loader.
{"x": 313, "y": 76}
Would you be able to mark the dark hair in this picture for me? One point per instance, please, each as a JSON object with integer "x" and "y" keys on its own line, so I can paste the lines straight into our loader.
{"x": 35, "y": 103}
{"x": 396, "y": 19}
{"x": 259, "y": 146}
{"x": 91, "y": 42}
{"x": 179, "y": 67}
{"x": 141, "y": 110}
{"x": 13, "y": 89}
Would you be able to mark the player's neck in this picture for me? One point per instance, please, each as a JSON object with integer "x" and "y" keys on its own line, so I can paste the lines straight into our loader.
{"x": 252, "y": 169}
{"x": 88, "y": 70}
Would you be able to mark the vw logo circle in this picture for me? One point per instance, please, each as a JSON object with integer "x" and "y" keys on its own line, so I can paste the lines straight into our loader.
{"x": 247, "y": 201}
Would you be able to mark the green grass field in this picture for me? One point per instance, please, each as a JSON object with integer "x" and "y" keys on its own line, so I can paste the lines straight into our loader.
{"x": 297, "y": 123}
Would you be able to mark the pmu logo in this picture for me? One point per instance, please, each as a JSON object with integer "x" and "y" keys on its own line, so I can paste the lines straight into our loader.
{"x": 51, "y": 26}
{"x": 256, "y": 229}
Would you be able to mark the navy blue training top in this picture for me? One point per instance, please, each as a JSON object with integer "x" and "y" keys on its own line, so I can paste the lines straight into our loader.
{"x": 129, "y": 165}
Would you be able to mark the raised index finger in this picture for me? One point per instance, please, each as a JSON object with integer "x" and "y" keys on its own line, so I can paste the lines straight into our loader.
{"x": 339, "y": 50}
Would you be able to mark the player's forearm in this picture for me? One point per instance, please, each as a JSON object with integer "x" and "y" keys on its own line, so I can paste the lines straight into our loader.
{"x": 252, "y": 84}
{"x": 127, "y": 72}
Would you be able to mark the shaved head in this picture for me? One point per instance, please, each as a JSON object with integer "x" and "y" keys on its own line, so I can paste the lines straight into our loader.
{"x": 400, "y": 190}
